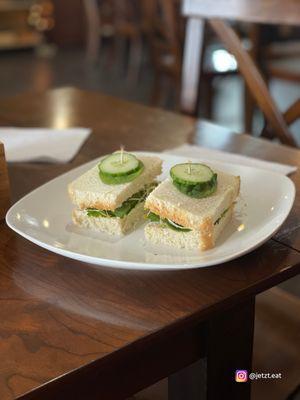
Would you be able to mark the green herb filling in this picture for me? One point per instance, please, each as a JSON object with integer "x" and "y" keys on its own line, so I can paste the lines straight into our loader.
{"x": 126, "y": 207}
{"x": 156, "y": 218}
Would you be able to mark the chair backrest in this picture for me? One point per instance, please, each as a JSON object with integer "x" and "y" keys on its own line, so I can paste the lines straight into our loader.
{"x": 93, "y": 29}
{"x": 127, "y": 18}
{"x": 163, "y": 30}
{"x": 4, "y": 184}
{"x": 291, "y": 115}
{"x": 265, "y": 11}
{"x": 260, "y": 11}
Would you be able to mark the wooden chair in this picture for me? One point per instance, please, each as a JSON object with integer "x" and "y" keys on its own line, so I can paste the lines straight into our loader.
{"x": 128, "y": 24}
{"x": 119, "y": 19}
{"x": 165, "y": 33}
{"x": 291, "y": 115}
{"x": 254, "y": 11}
{"x": 283, "y": 57}
{"x": 278, "y": 56}
{"x": 4, "y": 184}
{"x": 93, "y": 30}
{"x": 165, "y": 37}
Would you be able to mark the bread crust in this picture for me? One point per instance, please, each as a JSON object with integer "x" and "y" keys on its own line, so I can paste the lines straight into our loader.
{"x": 207, "y": 236}
{"x": 177, "y": 215}
{"x": 99, "y": 204}
{"x": 239, "y": 185}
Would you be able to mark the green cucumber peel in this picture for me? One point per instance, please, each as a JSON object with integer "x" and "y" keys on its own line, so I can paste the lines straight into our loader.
{"x": 156, "y": 218}
{"x": 117, "y": 164}
{"x": 198, "y": 190}
{"x": 115, "y": 179}
{"x": 178, "y": 227}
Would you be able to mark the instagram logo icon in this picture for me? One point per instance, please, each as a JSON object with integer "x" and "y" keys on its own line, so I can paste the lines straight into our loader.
{"x": 241, "y": 375}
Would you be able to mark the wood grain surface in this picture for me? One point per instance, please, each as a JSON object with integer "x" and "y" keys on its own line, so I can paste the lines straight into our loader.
{"x": 4, "y": 184}
{"x": 73, "y": 331}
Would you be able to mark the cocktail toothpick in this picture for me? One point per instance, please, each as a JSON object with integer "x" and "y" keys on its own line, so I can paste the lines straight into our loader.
{"x": 121, "y": 154}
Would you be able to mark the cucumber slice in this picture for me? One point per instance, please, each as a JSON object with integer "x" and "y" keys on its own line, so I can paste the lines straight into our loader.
{"x": 171, "y": 224}
{"x": 194, "y": 180}
{"x": 114, "y": 171}
{"x": 116, "y": 165}
{"x": 118, "y": 180}
{"x": 191, "y": 173}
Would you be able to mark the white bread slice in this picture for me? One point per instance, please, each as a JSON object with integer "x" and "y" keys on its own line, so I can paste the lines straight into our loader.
{"x": 88, "y": 191}
{"x": 159, "y": 233}
{"x": 168, "y": 202}
{"x": 197, "y": 214}
{"x": 112, "y": 226}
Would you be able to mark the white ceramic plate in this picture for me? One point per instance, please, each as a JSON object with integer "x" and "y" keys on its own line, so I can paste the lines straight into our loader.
{"x": 44, "y": 217}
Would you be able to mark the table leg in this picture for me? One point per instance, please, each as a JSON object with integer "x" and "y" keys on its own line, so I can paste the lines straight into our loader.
{"x": 191, "y": 64}
{"x": 229, "y": 348}
{"x": 188, "y": 383}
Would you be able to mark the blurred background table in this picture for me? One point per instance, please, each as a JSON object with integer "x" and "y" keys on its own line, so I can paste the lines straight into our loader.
{"x": 134, "y": 49}
{"x": 255, "y": 13}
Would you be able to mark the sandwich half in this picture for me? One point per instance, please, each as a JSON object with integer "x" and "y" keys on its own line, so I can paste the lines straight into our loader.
{"x": 110, "y": 196}
{"x": 191, "y": 217}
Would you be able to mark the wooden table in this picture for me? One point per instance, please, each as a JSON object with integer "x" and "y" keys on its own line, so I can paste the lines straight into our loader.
{"x": 69, "y": 330}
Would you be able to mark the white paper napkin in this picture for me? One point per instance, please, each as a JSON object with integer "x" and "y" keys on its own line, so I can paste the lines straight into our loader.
{"x": 42, "y": 144}
{"x": 231, "y": 158}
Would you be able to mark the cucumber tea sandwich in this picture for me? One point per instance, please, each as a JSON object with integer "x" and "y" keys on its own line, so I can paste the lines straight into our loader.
{"x": 191, "y": 208}
{"x": 110, "y": 196}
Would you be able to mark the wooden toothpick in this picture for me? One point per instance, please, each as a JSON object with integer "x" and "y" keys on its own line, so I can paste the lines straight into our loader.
{"x": 122, "y": 154}
{"x": 189, "y": 167}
